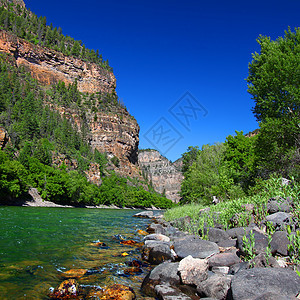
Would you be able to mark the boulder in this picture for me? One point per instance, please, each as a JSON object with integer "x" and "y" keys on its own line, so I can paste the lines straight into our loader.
{"x": 157, "y": 237}
{"x": 166, "y": 292}
{"x": 280, "y": 220}
{"x": 234, "y": 269}
{"x": 279, "y": 243}
{"x": 278, "y": 205}
{"x": 261, "y": 242}
{"x": 220, "y": 270}
{"x": 156, "y": 228}
{"x": 193, "y": 270}
{"x": 216, "y": 286}
{"x": 194, "y": 246}
{"x": 227, "y": 243}
{"x": 215, "y": 235}
{"x": 145, "y": 214}
{"x": 165, "y": 273}
{"x": 273, "y": 296}
{"x": 156, "y": 252}
{"x": 260, "y": 261}
{"x": 252, "y": 283}
{"x": 235, "y": 232}
{"x": 223, "y": 259}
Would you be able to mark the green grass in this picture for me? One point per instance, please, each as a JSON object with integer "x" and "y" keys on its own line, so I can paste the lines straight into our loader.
{"x": 223, "y": 212}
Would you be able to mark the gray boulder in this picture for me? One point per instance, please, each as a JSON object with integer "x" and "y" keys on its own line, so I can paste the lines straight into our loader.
{"x": 223, "y": 259}
{"x": 235, "y": 232}
{"x": 227, "y": 243}
{"x": 252, "y": 283}
{"x": 145, "y": 214}
{"x": 260, "y": 261}
{"x": 165, "y": 273}
{"x": 156, "y": 228}
{"x": 215, "y": 235}
{"x": 277, "y": 205}
{"x": 280, "y": 220}
{"x": 234, "y": 269}
{"x": 157, "y": 237}
{"x": 194, "y": 246}
{"x": 261, "y": 242}
{"x": 216, "y": 286}
{"x": 279, "y": 243}
{"x": 273, "y": 296}
{"x": 156, "y": 252}
{"x": 166, "y": 292}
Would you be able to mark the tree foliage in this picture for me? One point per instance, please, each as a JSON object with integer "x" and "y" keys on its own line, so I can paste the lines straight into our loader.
{"x": 233, "y": 168}
{"x": 274, "y": 77}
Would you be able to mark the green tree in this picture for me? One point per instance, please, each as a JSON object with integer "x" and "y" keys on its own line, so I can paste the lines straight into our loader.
{"x": 240, "y": 158}
{"x": 189, "y": 157}
{"x": 274, "y": 77}
{"x": 274, "y": 83}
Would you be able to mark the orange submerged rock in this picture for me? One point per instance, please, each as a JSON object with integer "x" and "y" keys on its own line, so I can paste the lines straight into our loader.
{"x": 74, "y": 273}
{"x": 142, "y": 232}
{"x": 129, "y": 242}
{"x": 118, "y": 292}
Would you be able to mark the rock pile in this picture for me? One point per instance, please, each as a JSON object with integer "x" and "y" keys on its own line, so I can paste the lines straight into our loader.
{"x": 190, "y": 267}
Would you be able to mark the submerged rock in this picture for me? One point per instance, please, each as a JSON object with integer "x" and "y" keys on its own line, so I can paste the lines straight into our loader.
{"x": 68, "y": 288}
{"x": 118, "y": 292}
{"x": 74, "y": 273}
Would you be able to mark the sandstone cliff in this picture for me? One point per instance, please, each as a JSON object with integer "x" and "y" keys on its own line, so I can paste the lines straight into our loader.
{"x": 166, "y": 177}
{"x": 112, "y": 130}
{"x": 49, "y": 66}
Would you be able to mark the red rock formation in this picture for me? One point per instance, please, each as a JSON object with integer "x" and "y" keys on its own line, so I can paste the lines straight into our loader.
{"x": 49, "y": 66}
{"x": 115, "y": 132}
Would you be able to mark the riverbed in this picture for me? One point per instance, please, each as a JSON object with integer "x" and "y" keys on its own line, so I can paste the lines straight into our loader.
{"x": 38, "y": 245}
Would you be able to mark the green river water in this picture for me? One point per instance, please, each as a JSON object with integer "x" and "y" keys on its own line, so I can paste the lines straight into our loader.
{"x": 38, "y": 244}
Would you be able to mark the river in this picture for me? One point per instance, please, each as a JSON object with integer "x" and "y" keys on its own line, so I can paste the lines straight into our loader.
{"x": 39, "y": 244}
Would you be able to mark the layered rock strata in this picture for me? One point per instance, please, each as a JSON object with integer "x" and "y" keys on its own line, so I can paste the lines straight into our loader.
{"x": 49, "y": 66}
{"x": 166, "y": 177}
{"x": 115, "y": 132}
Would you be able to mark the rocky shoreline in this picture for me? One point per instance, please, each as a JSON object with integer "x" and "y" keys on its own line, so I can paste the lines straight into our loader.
{"x": 234, "y": 264}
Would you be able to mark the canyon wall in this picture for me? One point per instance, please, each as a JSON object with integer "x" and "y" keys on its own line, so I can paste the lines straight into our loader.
{"x": 115, "y": 132}
{"x": 166, "y": 177}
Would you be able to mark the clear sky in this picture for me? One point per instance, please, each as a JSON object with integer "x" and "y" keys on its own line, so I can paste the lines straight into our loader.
{"x": 180, "y": 65}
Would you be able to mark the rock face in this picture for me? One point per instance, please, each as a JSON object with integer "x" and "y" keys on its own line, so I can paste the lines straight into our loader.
{"x": 4, "y": 138}
{"x": 49, "y": 66}
{"x": 166, "y": 177}
{"x": 118, "y": 135}
{"x": 115, "y": 132}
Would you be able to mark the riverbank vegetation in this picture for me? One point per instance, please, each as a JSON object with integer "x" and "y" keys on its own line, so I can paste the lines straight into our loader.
{"x": 244, "y": 167}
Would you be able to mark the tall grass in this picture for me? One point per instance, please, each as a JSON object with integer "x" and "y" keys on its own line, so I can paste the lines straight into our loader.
{"x": 234, "y": 213}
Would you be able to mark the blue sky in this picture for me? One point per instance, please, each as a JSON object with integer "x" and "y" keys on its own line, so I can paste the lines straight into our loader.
{"x": 180, "y": 65}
